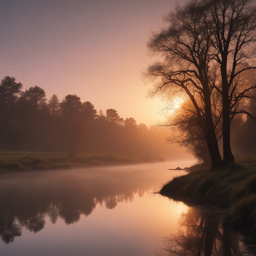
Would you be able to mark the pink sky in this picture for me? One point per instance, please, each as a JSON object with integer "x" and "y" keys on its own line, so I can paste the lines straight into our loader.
{"x": 94, "y": 49}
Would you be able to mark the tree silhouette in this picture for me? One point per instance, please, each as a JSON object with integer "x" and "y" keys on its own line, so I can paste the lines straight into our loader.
{"x": 130, "y": 125}
{"x": 112, "y": 116}
{"x": 9, "y": 229}
{"x": 89, "y": 113}
{"x": 202, "y": 233}
{"x": 187, "y": 68}
{"x": 26, "y": 203}
{"x": 71, "y": 105}
{"x": 35, "y": 95}
{"x": 205, "y": 54}
{"x": 30, "y": 122}
{"x": 54, "y": 105}
{"x": 188, "y": 133}
{"x": 9, "y": 90}
{"x": 232, "y": 24}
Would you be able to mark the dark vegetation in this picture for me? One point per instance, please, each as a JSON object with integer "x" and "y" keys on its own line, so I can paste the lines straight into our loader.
{"x": 31, "y": 123}
{"x": 232, "y": 187}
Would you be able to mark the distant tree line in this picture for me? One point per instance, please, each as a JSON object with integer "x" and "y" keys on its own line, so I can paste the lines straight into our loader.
{"x": 31, "y": 122}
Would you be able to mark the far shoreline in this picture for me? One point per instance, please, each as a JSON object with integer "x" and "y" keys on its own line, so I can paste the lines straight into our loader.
{"x": 11, "y": 161}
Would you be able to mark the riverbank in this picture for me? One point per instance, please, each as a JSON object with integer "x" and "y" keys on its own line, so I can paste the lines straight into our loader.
{"x": 232, "y": 187}
{"x": 20, "y": 161}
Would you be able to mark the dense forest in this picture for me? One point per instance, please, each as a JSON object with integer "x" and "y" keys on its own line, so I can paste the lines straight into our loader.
{"x": 30, "y": 122}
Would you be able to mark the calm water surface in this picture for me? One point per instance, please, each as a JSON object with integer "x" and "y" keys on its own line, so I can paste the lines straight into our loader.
{"x": 107, "y": 211}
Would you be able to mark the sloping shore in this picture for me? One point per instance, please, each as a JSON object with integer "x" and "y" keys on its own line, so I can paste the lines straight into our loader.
{"x": 232, "y": 187}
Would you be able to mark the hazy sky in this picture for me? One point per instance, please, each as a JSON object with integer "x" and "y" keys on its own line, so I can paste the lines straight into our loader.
{"x": 93, "y": 48}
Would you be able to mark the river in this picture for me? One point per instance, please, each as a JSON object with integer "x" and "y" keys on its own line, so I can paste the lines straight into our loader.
{"x": 107, "y": 211}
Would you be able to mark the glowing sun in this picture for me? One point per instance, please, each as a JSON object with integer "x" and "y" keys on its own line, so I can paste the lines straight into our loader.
{"x": 175, "y": 105}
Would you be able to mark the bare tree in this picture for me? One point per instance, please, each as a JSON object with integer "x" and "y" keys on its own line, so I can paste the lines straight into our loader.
{"x": 187, "y": 132}
{"x": 187, "y": 68}
{"x": 233, "y": 27}
{"x": 205, "y": 55}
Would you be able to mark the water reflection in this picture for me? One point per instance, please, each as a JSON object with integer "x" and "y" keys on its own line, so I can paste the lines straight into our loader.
{"x": 27, "y": 199}
{"x": 203, "y": 233}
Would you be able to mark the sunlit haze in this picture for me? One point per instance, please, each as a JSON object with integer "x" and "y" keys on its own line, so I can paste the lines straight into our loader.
{"x": 95, "y": 49}
{"x": 127, "y": 127}
{"x": 176, "y": 104}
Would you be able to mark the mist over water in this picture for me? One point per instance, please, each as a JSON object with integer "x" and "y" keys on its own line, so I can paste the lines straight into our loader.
{"x": 71, "y": 96}
{"x": 94, "y": 211}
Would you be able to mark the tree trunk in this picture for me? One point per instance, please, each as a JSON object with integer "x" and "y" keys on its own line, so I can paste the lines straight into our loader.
{"x": 227, "y": 154}
{"x": 210, "y": 135}
{"x": 226, "y": 239}
{"x": 211, "y": 140}
{"x": 211, "y": 227}
{"x": 228, "y": 157}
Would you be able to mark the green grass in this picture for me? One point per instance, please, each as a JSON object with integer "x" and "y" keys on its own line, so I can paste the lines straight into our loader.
{"x": 232, "y": 187}
{"x": 20, "y": 161}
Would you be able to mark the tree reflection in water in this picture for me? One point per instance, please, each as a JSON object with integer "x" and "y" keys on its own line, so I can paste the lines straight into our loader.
{"x": 26, "y": 199}
{"x": 9, "y": 228}
{"x": 203, "y": 233}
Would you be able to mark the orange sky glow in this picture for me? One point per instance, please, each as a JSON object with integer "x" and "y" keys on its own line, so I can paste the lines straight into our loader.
{"x": 94, "y": 49}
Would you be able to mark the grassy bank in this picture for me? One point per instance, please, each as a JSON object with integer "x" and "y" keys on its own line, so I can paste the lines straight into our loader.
{"x": 232, "y": 187}
{"x": 18, "y": 161}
